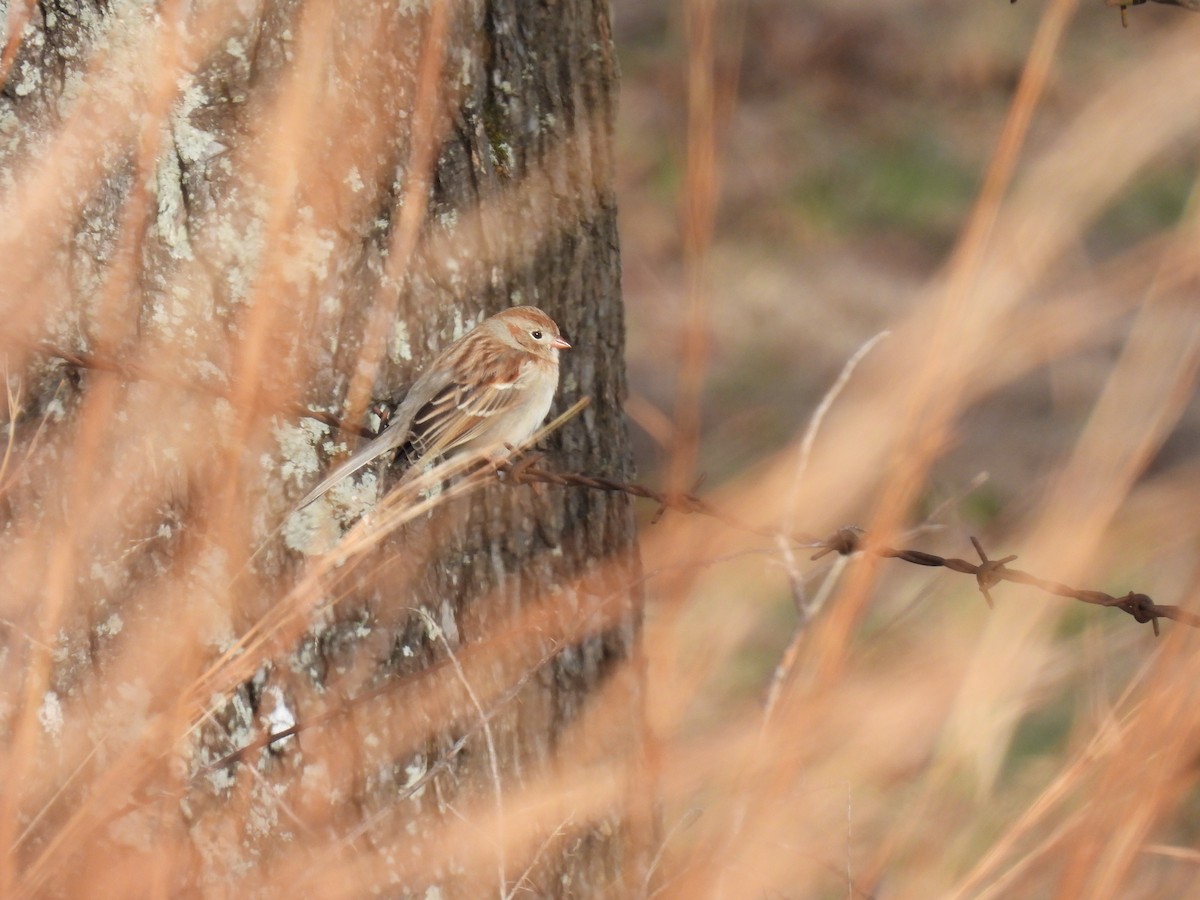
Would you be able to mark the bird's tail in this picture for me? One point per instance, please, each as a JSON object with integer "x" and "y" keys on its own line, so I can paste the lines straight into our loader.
{"x": 370, "y": 451}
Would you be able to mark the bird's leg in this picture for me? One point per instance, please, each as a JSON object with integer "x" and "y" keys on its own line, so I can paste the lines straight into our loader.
{"x": 501, "y": 460}
{"x": 511, "y": 463}
{"x": 384, "y": 412}
{"x": 513, "y": 470}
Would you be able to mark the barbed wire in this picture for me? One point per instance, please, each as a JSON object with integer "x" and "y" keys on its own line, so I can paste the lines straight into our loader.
{"x": 849, "y": 540}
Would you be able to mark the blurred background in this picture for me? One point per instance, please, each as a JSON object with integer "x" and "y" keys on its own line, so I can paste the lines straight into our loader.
{"x": 852, "y": 142}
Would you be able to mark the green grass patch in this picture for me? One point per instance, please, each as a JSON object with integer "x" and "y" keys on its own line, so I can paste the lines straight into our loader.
{"x": 1153, "y": 202}
{"x": 910, "y": 185}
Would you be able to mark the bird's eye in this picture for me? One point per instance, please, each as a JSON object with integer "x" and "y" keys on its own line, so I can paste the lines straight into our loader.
{"x": 536, "y": 335}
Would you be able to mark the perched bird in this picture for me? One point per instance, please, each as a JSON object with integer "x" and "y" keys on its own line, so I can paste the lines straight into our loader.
{"x": 491, "y": 387}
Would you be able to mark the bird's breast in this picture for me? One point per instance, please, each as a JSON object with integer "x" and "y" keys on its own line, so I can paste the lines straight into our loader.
{"x": 539, "y": 380}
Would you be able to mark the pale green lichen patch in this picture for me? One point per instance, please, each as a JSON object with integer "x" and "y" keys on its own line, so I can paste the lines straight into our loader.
{"x": 318, "y": 527}
{"x": 413, "y": 773}
{"x": 461, "y": 325}
{"x": 310, "y": 531}
{"x": 192, "y": 144}
{"x": 241, "y": 242}
{"x": 50, "y": 714}
{"x": 298, "y": 449}
{"x": 11, "y": 135}
{"x": 413, "y": 7}
{"x": 138, "y": 828}
{"x": 29, "y": 76}
{"x": 432, "y": 629}
{"x": 448, "y": 626}
{"x": 55, "y": 410}
{"x": 399, "y": 348}
{"x": 280, "y": 717}
{"x": 237, "y": 50}
{"x": 355, "y": 497}
{"x": 317, "y": 786}
{"x": 124, "y": 715}
{"x": 262, "y": 816}
{"x": 171, "y": 220}
{"x": 310, "y": 251}
{"x": 208, "y": 578}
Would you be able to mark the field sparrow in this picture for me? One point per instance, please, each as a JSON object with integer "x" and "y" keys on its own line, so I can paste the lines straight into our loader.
{"x": 491, "y": 387}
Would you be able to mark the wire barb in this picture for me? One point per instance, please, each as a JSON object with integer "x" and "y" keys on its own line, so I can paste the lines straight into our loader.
{"x": 851, "y": 539}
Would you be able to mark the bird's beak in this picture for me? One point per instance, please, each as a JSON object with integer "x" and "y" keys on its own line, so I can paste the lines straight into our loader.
{"x": 559, "y": 344}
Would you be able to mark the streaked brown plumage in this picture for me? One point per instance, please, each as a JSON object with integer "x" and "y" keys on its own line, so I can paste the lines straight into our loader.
{"x": 491, "y": 387}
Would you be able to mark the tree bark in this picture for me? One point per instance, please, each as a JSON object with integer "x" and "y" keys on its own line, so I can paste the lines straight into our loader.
{"x": 217, "y": 217}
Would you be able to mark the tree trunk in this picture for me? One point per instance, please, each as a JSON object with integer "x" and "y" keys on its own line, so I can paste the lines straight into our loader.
{"x": 219, "y": 216}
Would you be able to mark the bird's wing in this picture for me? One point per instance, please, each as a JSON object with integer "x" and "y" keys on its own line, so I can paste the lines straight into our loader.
{"x": 438, "y": 415}
{"x": 460, "y": 412}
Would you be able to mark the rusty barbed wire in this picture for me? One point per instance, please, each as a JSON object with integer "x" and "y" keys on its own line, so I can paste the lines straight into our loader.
{"x": 849, "y": 540}
{"x": 527, "y": 471}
